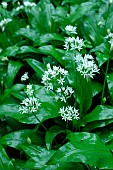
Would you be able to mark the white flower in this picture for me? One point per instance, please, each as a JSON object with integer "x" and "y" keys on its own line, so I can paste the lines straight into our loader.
{"x": 86, "y": 66}
{"x": 25, "y": 77}
{"x": 61, "y": 81}
{"x": 4, "y": 22}
{"x": 69, "y": 113}
{"x": 71, "y": 29}
{"x": 29, "y": 90}
{"x": 110, "y": 1}
{"x": 72, "y": 43}
{"x": 19, "y": 8}
{"x": 29, "y": 4}
{"x": 4, "y": 4}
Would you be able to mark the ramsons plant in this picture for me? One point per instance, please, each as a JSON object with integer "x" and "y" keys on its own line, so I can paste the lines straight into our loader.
{"x": 56, "y": 85}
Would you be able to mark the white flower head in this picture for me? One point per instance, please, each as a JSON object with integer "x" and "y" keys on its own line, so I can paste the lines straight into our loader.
{"x": 72, "y": 43}
{"x": 29, "y": 90}
{"x": 19, "y": 8}
{"x": 25, "y": 77}
{"x": 86, "y": 66}
{"x": 29, "y": 4}
{"x": 69, "y": 113}
{"x": 71, "y": 29}
{"x": 4, "y": 22}
{"x": 29, "y": 105}
{"x": 4, "y": 4}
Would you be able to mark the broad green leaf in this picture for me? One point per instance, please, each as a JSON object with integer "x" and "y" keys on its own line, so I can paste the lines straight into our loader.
{"x": 110, "y": 84}
{"x": 97, "y": 124}
{"x": 41, "y": 18}
{"x": 9, "y": 51}
{"x": 73, "y": 1}
{"x": 13, "y": 68}
{"x": 51, "y": 134}
{"x": 96, "y": 87}
{"x": 14, "y": 139}
{"x": 86, "y": 148}
{"x": 62, "y": 166}
{"x": 91, "y": 30}
{"x": 19, "y": 163}
{"x": 101, "y": 50}
{"x": 101, "y": 112}
{"x": 102, "y": 58}
{"x": 80, "y": 11}
{"x": 28, "y": 33}
{"x": 5, "y": 162}
{"x": 27, "y": 49}
{"x": 10, "y": 110}
{"x": 106, "y": 136}
{"x": 39, "y": 154}
{"x": 49, "y": 49}
{"x": 46, "y": 38}
{"x": 84, "y": 93}
{"x": 37, "y": 66}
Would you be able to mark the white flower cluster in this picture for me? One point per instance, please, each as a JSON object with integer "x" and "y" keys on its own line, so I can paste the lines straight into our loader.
{"x": 4, "y": 22}
{"x": 4, "y": 5}
{"x": 110, "y": 38}
{"x": 69, "y": 113}
{"x": 25, "y": 77}
{"x": 29, "y": 4}
{"x": 25, "y": 4}
{"x": 55, "y": 79}
{"x": 86, "y": 65}
{"x": 30, "y": 104}
{"x": 71, "y": 29}
{"x": 72, "y": 43}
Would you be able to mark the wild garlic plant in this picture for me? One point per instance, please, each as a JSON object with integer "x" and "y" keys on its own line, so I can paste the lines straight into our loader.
{"x": 56, "y": 79}
{"x": 30, "y": 104}
{"x": 85, "y": 64}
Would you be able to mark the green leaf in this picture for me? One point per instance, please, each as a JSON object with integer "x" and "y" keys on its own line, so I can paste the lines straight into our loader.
{"x": 10, "y": 110}
{"x": 49, "y": 49}
{"x": 97, "y": 124}
{"x": 101, "y": 112}
{"x": 14, "y": 139}
{"x": 96, "y": 87}
{"x": 106, "y": 136}
{"x": 46, "y": 38}
{"x": 62, "y": 166}
{"x": 37, "y": 66}
{"x": 51, "y": 134}
{"x": 102, "y": 58}
{"x": 9, "y": 51}
{"x": 5, "y": 162}
{"x": 84, "y": 93}
{"x": 91, "y": 30}
{"x": 86, "y": 148}
{"x": 80, "y": 11}
{"x": 39, "y": 155}
{"x": 109, "y": 78}
{"x": 13, "y": 68}
{"x": 28, "y": 33}
{"x": 27, "y": 49}
{"x": 18, "y": 163}
{"x": 41, "y": 17}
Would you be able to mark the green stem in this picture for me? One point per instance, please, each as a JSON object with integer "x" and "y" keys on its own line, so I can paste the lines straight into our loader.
{"x": 40, "y": 122}
{"x": 107, "y": 17}
{"x": 66, "y": 128}
{"x": 103, "y": 90}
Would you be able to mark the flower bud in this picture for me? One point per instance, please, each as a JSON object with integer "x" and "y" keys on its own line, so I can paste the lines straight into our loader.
{"x": 29, "y": 140}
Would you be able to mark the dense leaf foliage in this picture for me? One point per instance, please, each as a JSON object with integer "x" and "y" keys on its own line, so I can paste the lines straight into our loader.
{"x": 56, "y": 110}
